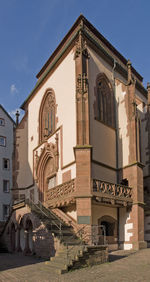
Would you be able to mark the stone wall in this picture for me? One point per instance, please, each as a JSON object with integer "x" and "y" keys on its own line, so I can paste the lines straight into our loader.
{"x": 26, "y": 233}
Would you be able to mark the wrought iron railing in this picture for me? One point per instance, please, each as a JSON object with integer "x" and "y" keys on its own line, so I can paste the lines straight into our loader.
{"x": 38, "y": 206}
{"x": 92, "y": 235}
{"x": 49, "y": 214}
{"x": 117, "y": 190}
{"x": 61, "y": 191}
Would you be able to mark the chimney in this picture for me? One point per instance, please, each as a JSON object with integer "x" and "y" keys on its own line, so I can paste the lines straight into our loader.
{"x": 129, "y": 71}
{"x": 148, "y": 90}
{"x": 17, "y": 117}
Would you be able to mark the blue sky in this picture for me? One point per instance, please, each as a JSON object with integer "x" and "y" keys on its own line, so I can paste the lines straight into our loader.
{"x": 30, "y": 30}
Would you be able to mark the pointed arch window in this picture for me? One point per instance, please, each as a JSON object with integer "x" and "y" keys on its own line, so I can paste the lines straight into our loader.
{"x": 105, "y": 101}
{"x": 47, "y": 119}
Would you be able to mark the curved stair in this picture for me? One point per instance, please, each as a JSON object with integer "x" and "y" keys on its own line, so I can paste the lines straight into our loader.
{"x": 74, "y": 252}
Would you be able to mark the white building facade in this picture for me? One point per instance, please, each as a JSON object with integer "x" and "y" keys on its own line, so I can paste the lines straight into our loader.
{"x": 6, "y": 152}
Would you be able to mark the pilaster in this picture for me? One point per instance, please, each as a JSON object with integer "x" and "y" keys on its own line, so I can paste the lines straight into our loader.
{"x": 134, "y": 171}
{"x": 83, "y": 149}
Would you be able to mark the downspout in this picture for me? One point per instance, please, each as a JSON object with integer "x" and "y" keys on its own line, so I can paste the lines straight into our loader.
{"x": 116, "y": 118}
{"x": 117, "y": 138}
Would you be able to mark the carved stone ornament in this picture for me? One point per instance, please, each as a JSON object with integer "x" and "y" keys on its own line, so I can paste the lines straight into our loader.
{"x": 81, "y": 48}
{"x": 49, "y": 156}
{"x": 82, "y": 84}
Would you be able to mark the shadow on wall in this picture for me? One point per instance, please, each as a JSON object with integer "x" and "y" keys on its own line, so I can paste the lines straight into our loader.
{"x": 29, "y": 236}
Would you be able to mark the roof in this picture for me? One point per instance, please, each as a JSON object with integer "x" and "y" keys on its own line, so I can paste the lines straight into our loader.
{"x": 7, "y": 114}
{"x": 99, "y": 35}
{"x": 67, "y": 40}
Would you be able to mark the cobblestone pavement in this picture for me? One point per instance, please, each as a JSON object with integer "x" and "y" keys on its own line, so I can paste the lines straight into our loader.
{"x": 124, "y": 266}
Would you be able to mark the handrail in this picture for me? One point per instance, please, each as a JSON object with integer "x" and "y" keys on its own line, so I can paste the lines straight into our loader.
{"x": 72, "y": 237}
{"x": 91, "y": 236}
{"x": 40, "y": 208}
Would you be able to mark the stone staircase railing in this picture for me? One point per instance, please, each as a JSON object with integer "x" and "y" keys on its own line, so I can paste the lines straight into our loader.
{"x": 115, "y": 193}
{"x": 61, "y": 194}
{"x": 77, "y": 253}
{"x": 66, "y": 218}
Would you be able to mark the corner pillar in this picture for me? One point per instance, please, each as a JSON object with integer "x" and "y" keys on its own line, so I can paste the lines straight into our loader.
{"x": 83, "y": 184}
{"x": 134, "y": 174}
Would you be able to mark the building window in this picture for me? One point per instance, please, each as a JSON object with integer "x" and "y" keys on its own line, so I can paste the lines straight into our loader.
{"x": 2, "y": 122}
{"x": 6, "y": 187}
{"x": 104, "y": 101}
{"x": 6, "y": 210}
{"x": 6, "y": 164}
{"x": 51, "y": 182}
{"x": 47, "y": 118}
{"x": 2, "y": 141}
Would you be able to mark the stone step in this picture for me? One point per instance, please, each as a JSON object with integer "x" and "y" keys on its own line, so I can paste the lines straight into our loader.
{"x": 56, "y": 269}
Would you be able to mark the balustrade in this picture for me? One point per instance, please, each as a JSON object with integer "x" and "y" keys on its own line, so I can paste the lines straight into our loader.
{"x": 116, "y": 190}
{"x": 62, "y": 191}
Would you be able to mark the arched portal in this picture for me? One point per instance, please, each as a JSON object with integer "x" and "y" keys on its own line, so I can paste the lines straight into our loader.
{"x": 13, "y": 237}
{"x": 110, "y": 225}
{"x": 29, "y": 235}
{"x": 46, "y": 168}
{"x": 22, "y": 236}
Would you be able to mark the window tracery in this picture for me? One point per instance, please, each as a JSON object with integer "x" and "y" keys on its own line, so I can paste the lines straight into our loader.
{"x": 47, "y": 118}
{"x": 105, "y": 101}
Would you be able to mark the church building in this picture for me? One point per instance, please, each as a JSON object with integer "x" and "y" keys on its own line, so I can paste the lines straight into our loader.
{"x": 82, "y": 149}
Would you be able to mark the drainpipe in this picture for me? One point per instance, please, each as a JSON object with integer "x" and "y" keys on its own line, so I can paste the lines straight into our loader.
{"x": 117, "y": 136}
{"x": 116, "y": 117}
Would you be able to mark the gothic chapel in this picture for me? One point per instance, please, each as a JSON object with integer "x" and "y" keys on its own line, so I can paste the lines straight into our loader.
{"x": 82, "y": 149}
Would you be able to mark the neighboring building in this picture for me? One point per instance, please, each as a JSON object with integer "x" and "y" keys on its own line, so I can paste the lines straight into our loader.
{"x": 83, "y": 146}
{"x": 7, "y": 126}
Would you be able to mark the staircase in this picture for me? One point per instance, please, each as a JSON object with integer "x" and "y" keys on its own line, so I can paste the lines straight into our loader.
{"x": 66, "y": 218}
{"x": 58, "y": 227}
{"x": 74, "y": 252}
{"x": 77, "y": 257}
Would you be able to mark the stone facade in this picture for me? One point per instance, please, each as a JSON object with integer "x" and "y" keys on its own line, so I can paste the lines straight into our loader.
{"x": 83, "y": 146}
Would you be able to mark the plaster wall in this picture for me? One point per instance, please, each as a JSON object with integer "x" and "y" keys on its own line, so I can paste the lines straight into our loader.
{"x": 6, "y": 152}
{"x": 24, "y": 177}
{"x": 62, "y": 81}
{"x": 123, "y": 138}
{"x": 102, "y": 137}
{"x": 103, "y": 173}
{"x": 71, "y": 211}
{"x": 99, "y": 211}
{"x": 125, "y": 229}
